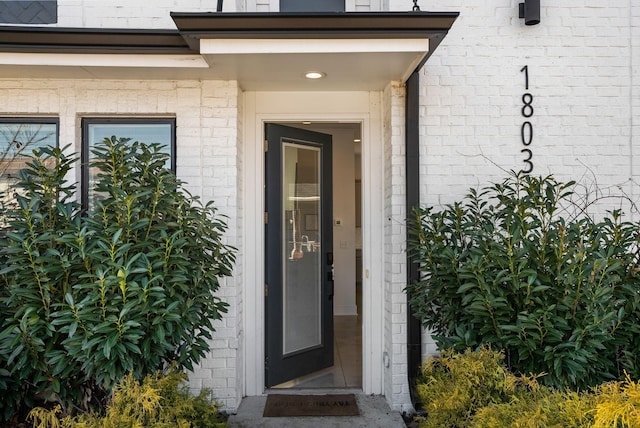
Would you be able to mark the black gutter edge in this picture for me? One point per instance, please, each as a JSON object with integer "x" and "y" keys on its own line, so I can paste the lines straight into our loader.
{"x": 194, "y": 26}
{"x": 317, "y": 22}
{"x": 31, "y": 39}
{"x": 321, "y": 25}
{"x": 412, "y": 165}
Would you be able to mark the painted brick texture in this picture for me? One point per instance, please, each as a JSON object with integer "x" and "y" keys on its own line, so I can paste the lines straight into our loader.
{"x": 582, "y": 62}
{"x": 584, "y": 71}
{"x": 207, "y": 160}
{"x": 138, "y": 14}
{"x": 396, "y": 385}
{"x": 132, "y": 13}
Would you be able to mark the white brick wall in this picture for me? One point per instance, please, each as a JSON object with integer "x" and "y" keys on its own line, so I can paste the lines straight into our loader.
{"x": 396, "y": 385}
{"x": 579, "y": 60}
{"x": 207, "y": 115}
{"x": 634, "y": 20}
{"x": 584, "y": 69}
{"x": 139, "y": 14}
{"x": 133, "y": 13}
{"x": 584, "y": 74}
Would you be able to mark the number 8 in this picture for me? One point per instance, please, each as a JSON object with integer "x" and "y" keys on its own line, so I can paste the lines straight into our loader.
{"x": 527, "y": 108}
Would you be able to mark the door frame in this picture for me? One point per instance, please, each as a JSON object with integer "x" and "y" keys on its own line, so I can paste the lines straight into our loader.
{"x": 358, "y": 107}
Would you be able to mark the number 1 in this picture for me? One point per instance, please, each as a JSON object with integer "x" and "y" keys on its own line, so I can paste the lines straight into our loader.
{"x": 526, "y": 76}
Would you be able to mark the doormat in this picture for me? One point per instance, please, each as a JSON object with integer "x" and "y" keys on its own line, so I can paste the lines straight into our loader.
{"x": 280, "y": 405}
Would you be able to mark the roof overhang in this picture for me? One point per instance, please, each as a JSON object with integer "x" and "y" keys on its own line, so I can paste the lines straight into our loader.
{"x": 263, "y": 51}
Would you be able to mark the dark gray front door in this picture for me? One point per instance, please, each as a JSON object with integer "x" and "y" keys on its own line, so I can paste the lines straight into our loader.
{"x": 299, "y": 253}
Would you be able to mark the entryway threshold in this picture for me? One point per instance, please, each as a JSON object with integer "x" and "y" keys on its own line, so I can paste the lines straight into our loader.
{"x": 374, "y": 413}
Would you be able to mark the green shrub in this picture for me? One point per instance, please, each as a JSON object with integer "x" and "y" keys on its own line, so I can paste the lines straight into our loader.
{"x": 126, "y": 287}
{"x": 162, "y": 400}
{"x": 505, "y": 268}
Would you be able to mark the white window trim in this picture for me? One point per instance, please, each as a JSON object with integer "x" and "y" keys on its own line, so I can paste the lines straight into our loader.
{"x": 350, "y": 5}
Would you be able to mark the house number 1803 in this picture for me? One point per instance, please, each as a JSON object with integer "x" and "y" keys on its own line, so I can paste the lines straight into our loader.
{"x": 526, "y": 130}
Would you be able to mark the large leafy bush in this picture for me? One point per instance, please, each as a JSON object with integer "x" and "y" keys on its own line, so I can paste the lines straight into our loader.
{"x": 86, "y": 298}
{"x": 559, "y": 295}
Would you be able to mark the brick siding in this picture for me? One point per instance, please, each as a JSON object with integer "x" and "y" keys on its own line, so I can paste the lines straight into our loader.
{"x": 584, "y": 74}
{"x": 207, "y": 152}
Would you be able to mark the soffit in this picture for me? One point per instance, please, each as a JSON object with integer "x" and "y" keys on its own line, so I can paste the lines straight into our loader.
{"x": 262, "y": 51}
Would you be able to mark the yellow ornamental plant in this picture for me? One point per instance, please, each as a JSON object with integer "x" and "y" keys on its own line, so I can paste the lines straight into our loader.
{"x": 475, "y": 390}
{"x": 161, "y": 400}
{"x": 618, "y": 404}
{"x": 454, "y": 387}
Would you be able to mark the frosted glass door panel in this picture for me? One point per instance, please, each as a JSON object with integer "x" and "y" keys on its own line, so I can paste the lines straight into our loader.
{"x": 302, "y": 284}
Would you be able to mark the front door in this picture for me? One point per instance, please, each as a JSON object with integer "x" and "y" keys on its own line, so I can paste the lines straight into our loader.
{"x": 299, "y": 253}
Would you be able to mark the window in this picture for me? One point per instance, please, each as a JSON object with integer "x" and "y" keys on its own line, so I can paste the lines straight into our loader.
{"x": 312, "y": 6}
{"x": 148, "y": 131}
{"x": 18, "y": 138}
{"x": 28, "y": 12}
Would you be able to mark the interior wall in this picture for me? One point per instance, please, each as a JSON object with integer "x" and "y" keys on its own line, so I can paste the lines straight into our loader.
{"x": 344, "y": 228}
{"x": 345, "y": 239}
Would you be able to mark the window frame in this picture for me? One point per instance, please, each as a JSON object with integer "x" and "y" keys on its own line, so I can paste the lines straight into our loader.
{"x": 86, "y": 147}
{"x": 320, "y": 8}
{"x": 30, "y": 120}
{"x": 48, "y": 13}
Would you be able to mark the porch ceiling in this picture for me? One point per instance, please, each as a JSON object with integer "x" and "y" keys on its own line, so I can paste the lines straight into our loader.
{"x": 263, "y": 51}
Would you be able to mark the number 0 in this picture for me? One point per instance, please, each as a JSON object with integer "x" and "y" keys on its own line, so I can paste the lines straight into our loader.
{"x": 526, "y": 133}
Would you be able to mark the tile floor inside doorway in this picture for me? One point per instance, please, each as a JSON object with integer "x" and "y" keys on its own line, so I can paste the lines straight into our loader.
{"x": 347, "y": 369}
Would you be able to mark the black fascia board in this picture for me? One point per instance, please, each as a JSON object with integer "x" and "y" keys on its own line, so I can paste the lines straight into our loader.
{"x": 31, "y": 39}
{"x": 193, "y": 26}
{"x": 348, "y": 25}
{"x": 313, "y": 22}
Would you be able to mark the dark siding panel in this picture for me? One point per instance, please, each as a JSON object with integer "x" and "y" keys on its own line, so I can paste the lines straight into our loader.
{"x": 311, "y": 6}
{"x": 28, "y": 12}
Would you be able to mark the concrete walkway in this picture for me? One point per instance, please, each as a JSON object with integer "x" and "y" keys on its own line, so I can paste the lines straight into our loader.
{"x": 374, "y": 413}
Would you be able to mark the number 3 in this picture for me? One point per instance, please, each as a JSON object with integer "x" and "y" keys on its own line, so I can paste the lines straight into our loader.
{"x": 527, "y": 161}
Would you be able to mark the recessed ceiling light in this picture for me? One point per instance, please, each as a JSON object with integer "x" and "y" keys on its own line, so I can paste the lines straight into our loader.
{"x": 306, "y": 122}
{"x": 356, "y": 140}
{"x": 314, "y": 75}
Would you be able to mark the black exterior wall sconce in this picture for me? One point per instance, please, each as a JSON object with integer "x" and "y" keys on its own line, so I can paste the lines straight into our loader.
{"x": 530, "y": 11}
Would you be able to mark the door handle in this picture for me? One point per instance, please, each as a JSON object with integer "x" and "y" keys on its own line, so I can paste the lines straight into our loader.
{"x": 330, "y": 264}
